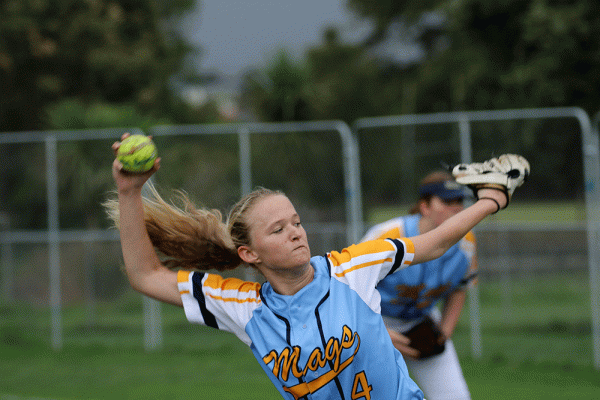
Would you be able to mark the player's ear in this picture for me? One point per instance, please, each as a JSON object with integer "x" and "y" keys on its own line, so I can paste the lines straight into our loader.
{"x": 424, "y": 207}
{"x": 247, "y": 255}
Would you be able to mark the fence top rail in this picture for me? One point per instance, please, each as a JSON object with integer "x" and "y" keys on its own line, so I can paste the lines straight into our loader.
{"x": 165, "y": 130}
{"x": 253, "y": 127}
{"x": 62, "y": 236}
{"x": 85, "y": 134}
{"x": 485, "y": 115}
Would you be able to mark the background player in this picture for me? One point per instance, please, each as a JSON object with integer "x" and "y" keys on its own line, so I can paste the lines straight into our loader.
{"x": 314, "y": 326}
{"x": 409, "y": 297}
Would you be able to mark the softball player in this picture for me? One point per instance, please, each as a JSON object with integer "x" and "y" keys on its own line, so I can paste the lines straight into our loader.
{"x": 315, "y": 325}
{"x": 411, "y": 295}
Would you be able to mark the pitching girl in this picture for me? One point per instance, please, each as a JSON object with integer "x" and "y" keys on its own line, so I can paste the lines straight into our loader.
{"x": 315, "y": 325}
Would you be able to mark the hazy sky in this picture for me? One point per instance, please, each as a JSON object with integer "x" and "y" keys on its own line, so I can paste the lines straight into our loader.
{"x": 237, "y": 34}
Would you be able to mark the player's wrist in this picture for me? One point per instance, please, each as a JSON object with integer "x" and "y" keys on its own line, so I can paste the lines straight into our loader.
{"x": 496, "y": 196}
{"x": 492, "y": 201}
{"x": 129, "y": 190}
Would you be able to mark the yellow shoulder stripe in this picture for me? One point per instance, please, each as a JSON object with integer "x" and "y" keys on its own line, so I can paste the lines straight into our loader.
{"x": 234, "y": 299}
{"x": 410, "y": 247}
{"x": 183, "y": 276}
{"x": 391, "y": 234}
{"x": 363, "y": 265}
{"x": 218, "y": 282}
{"x": 370, "y": 247}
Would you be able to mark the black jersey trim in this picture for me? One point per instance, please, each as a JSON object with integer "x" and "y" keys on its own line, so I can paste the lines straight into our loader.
{"x": 338, "y": 384}
{"x": 399, "y": 257}
{"x": 288, "y": 327}
{"x": 328, "y": 262}
{"x": 209, "y": 318}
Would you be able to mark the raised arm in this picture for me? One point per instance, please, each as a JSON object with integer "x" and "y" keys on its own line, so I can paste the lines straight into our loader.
{"x": 436, "y": 242}
{"x": 493, "y": 183}
{"x": 146, "y": 273}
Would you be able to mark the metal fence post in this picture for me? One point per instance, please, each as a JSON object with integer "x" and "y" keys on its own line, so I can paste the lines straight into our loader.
{"x": 6, "y": 262}
{"x": 466, "y": 156}
{"x": 591, "y": 150}
{"x": 53, "y": 241}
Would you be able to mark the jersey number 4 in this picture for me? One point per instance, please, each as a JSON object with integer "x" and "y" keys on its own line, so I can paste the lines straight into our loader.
{"x": 361, "y": 388}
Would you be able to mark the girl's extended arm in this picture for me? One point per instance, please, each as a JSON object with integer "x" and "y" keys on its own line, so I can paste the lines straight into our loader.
{"x": 436, "y": 242}
{"x": 146, "y": 273}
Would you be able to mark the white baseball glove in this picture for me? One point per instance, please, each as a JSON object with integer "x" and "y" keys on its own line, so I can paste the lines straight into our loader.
{"x": 505, "y": 173}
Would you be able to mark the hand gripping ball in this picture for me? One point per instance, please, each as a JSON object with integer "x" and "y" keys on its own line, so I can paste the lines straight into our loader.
{"x": 137, "y": 153}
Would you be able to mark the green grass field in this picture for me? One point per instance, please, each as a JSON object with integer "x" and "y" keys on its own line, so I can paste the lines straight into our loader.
{"x": 538, "y": 348}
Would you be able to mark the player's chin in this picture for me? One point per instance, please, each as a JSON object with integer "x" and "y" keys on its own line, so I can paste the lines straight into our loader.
{"x": 301, "y": 254}
{"x": 303, "y": 249}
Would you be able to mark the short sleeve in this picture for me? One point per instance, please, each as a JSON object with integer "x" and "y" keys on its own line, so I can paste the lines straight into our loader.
{"x": 362, "y": 266}
{"x": 225, "y": 304}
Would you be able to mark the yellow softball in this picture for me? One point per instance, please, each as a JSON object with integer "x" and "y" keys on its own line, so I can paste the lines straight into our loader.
{"x": 137, "y": 153}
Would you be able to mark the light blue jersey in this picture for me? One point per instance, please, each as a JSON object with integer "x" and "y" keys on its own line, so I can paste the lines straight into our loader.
{"x": 413, "y": 292}
{"x": 327, "y": 341}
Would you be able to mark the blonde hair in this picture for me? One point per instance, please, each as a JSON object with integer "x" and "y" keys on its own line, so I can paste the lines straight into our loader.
{"x": 433, "y": 177}
{"x": 192, "y": 238}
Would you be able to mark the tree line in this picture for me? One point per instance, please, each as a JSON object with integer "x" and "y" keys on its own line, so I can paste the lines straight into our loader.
{"x": 74, "y": 64}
